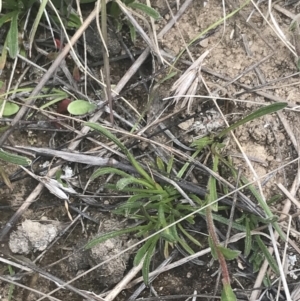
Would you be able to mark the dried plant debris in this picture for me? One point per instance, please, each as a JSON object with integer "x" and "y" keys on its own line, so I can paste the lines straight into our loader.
{"x": 33, "y": 236}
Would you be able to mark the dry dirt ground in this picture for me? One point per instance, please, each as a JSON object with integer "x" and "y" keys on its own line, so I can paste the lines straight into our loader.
{"x": 244, "y": 53}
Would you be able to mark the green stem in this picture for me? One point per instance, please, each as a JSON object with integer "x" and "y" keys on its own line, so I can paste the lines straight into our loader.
{"x": 216, "y": 243}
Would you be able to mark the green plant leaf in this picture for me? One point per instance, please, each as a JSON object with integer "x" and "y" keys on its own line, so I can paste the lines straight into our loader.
{"x": 12, "y": 36}
{"x": 142, "y": 251}
{"x": 10, "y": 109}
{"x": 248, "y": 238}
{"x": 185, "y": 246}
{"x": 73, "y": 21}
{"x": 146, "y": 9}
{"x": 173, "y": 229}
{"x": 167, "y": 233}
{"x": 81, "y": 107}
{"x": 108, "y": 170}
{"x": 108, "y": 135}
{"x": 130, "y": 206}
{"x": 265, "y": 207}
{"x": 256, "y": 259}
{"x": 170, "y": 75}
{"x": 160, "y": 164}
{"x": 227, "y": 293}
{"x": 5, "y": 178}
{"x": 12, "y": 286}
{"x": 212, "y": 186}
{"x": 258, "y": 113}
{"x": 170, "y": 165}
{"x": 7, "y": 17}
{"x": 189, "y": 236}
{"x": 57, "y": 97}
{"x": 37, "y": 20}
{"x": 130, "y": 157}
{"x": 202, "y": 142}
{"x": 267, "y": 254}
{"x": 148, "y": 257}
{"x": 98, "y": 240}
{"x": 114, "y": 11}
{"x": 122, "y": 183}
{"x": 132, "y": 32}
{"x": 228, "y": 253}
{"x": 15, "y": 159}
{"x": 224, "y": 221}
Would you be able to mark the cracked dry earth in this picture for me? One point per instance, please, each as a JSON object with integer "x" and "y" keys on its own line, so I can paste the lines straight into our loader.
{"x": 228, "y": 71}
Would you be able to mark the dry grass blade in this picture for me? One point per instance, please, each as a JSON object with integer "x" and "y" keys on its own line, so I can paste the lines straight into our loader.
{"x": 186, "y": 86}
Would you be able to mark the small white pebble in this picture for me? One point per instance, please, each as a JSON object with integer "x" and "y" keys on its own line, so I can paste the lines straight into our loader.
{"x": 189, "y": 275}
{"x": 292, "y": 259}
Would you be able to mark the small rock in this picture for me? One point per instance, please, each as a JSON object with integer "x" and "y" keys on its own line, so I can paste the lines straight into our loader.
{"x": 186, "y": 125}
{"x": 204, "y": 43}
{"x": 32, "y": 236}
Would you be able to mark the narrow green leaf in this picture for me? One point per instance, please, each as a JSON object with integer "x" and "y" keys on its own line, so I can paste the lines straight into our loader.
{"x": 169, "y": 75}
{"x": 142, "y": 251}
{"x": 107, "y": 134}
{"x": 144, "y": 231}
{"x": 15, "y": 159}
{"x": 187, "y": 164}
{"x": 96, "y": 241}
{"x": 81, "y": 107}
{"x": 57, "y": 98}
{"x": 37, "y": 21}
{"x": 146, "y": 9}
{"x": 248, "y": 238}
{"x": 212, "y": 186}
{"x": 129, "y": 206}
{"x": 166, "y": 234}
{"x": 202, "y": 142}
{"x": 122, "y": 183}
{"x": 274, "y": 199}
{"x": 7, "y": 17}
{"x": 12, "y": 36}
{"x": 132, "y": 31}
{"x": 173, "y": 229}
{"x": 224, "y": 221}
{"x": 265, "y": 207}
{"x": 73, "y": 21}
{"x": 227, "y": 293}
{"x": 228, "y": 253}
{"x": 130, "y": 157}
{"x": 12, "y": 286}
{"x": 148, "y": 257}
{"x": 189, "y": 236}
{"x": 267, "y": 254}
{"x": 185, "y": 246}
{"x": 5, "y": 178}
{"x": 170, "y": 165}
{"x": 108, "y": 170}
{"x": 160, "y": 164}
{"x": 259, "y": 113}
